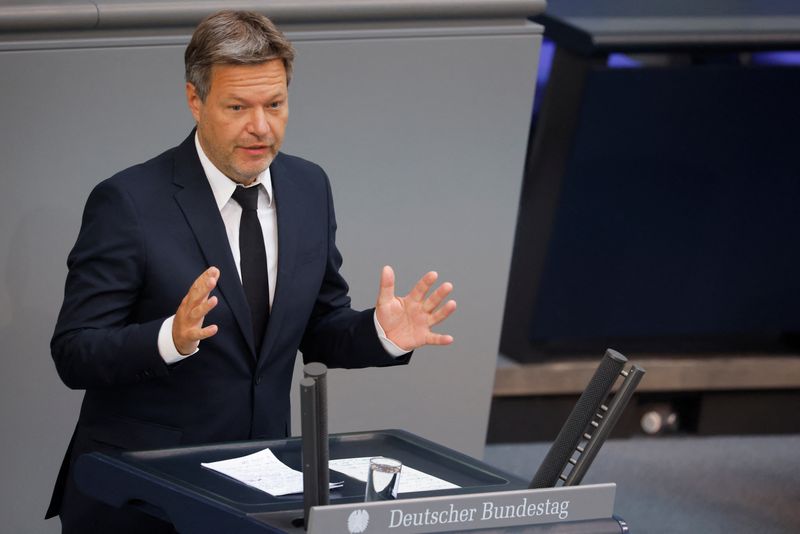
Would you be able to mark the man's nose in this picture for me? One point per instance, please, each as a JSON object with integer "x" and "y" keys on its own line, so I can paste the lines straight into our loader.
{"x": 259, "y": 123}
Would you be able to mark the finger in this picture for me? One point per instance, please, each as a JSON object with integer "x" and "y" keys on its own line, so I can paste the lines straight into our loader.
{"x": 203, "y": 285}
{"x": 438, "y": 339}
{"x": 442, "y": 313}
{"x": 386, "y": 292}
{"x": 201, "y": 310}
{"x": 423, "y": 286}
{"x": 437, "y": 297}
{"x": 199, "y": 291}
{"x": 200, "y": 334}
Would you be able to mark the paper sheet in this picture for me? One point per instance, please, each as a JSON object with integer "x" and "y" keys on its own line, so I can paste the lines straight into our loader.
{"x": 411, "y": 480}
{"x": 262, "y": 470}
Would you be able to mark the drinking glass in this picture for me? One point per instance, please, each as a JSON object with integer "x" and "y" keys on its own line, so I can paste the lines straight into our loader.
{"x": 383, "y": 479}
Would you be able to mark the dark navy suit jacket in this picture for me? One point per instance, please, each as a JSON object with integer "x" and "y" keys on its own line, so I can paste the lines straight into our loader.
{"x": 146, "y": 234}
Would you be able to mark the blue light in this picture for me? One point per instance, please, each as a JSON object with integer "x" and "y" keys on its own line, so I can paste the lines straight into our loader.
{"x": 621, "y": 61}
{"x": 545, "y": 61}
{"x": 545, "y": 64}
{"x": 787, "y": 58}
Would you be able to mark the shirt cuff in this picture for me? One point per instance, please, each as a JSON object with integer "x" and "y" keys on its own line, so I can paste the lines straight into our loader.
{"x": 393, "y": 350}
{"x": 166, "y": 346}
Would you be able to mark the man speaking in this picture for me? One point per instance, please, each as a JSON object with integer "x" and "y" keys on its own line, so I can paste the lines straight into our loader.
{"x": 197, "y": 275}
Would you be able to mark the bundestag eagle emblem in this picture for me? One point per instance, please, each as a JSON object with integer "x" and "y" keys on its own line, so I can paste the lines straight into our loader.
{"x": 358, "y": 521}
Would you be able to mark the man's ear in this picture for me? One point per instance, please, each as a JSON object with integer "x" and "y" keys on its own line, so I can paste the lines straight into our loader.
{"x": 194, "y": 101}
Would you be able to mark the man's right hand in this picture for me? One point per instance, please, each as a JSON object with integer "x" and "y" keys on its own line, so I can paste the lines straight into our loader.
{"x": 187, "y": 328}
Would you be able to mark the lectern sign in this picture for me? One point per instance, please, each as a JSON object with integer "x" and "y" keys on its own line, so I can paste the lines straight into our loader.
{"x": 467, "y": 512}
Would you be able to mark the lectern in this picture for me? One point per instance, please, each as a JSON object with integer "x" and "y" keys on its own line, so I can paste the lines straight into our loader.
{"x": 174, "y": 484}
{"x": 171, "y": 484}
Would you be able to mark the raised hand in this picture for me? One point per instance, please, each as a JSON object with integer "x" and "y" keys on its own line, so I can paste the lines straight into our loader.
{"x": 407, "y": 321}
{"x": 187, "y": 327}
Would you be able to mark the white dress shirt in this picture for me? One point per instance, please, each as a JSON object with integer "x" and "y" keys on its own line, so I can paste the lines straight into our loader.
{"x": 231, "y": 212}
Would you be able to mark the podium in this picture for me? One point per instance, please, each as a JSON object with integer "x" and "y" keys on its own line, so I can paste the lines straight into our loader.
{"x": 172, "y": 485}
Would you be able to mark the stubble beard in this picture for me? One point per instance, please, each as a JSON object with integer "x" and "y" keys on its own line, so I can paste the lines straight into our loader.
{"x": 245, "y": 177}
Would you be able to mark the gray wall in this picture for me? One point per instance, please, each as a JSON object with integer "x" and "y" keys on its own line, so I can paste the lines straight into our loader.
{"x": 423, "y": 132}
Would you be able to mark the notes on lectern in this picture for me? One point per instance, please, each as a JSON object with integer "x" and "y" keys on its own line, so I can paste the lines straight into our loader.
{"x": 264, "y": 471}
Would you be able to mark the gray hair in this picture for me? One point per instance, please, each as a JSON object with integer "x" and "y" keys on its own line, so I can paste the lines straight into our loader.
{"x": 234, "y": 38}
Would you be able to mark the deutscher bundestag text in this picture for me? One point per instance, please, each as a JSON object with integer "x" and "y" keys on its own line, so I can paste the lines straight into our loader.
{"x": 488, "y": 511}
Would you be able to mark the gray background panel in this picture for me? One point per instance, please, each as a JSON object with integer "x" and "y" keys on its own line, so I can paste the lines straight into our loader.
{"x": 423, "y": 136}
{"x": 16, "y": 16}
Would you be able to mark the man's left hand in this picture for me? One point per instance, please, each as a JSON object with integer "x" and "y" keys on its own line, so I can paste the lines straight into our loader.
{"x": 407, "y": 321}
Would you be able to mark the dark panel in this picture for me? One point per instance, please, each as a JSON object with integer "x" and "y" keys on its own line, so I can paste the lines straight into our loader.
{"x": 675, "y": 219}
{"x": 762, "y": 412}
{"x": 531, "y": 419}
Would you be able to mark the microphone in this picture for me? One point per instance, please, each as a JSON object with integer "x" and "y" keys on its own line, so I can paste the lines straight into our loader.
{"x": 315, "y": 446}
{"x": 577, "y": 427}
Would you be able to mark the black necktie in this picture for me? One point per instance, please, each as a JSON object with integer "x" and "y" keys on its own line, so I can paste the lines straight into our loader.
{"x": 253, "y": 261}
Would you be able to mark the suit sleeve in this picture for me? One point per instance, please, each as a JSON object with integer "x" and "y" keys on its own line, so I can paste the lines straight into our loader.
{"x": 336, "y": 334}
{"x": 95, "y": 344}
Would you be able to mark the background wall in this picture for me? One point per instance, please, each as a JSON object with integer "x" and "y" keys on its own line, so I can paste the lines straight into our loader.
{"x": 423, "y": 132}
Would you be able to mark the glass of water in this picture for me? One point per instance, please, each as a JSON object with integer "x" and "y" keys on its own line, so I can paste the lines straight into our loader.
{"x": 383, "y": 479}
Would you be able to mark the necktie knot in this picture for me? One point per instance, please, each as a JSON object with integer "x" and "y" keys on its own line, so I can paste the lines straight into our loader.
{"x": 247, "y": 197}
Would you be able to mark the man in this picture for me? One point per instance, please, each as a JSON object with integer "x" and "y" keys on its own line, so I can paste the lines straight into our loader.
{"x": 164, "y": 367}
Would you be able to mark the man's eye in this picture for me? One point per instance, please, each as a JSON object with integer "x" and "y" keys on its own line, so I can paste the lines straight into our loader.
{"x": 275, "y": 105}
{"x": 236, "y": 107}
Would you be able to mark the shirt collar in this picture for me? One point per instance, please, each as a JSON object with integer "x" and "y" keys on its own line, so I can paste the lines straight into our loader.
{"x": 221, "y": 185}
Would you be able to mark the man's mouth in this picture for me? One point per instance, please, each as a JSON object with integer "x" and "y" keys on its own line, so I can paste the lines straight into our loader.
{"x": 255, "y": 149}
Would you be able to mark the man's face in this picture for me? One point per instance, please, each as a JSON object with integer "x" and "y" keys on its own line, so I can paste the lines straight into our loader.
{"x": 243, "y": 119}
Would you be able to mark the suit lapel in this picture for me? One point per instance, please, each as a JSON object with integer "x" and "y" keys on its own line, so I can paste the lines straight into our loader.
{"x": 288, "y": 199}
{"x": 197, "y": 203}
